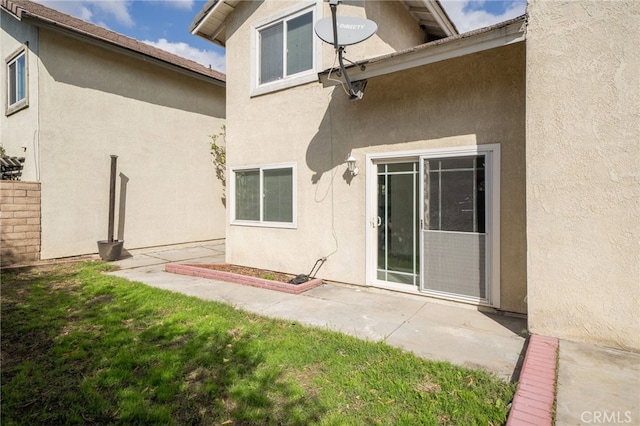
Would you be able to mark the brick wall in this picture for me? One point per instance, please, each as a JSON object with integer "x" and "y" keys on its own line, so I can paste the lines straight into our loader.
{"x": 19, "y": 222}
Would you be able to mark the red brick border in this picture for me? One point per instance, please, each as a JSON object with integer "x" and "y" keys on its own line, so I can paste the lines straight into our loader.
{"x": 198, "y": 271}
{"x": 535, "y": 394}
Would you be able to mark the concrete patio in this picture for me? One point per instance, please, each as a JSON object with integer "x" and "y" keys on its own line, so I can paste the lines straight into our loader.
{"x": 595, "y": 385}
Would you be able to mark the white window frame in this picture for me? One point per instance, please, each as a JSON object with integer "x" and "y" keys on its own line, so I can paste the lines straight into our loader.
{"x": 492, "y": 168}
{"x": 261, "y": 222}
{"x": 297, "y": 79}
{"x": 24, "y": 102}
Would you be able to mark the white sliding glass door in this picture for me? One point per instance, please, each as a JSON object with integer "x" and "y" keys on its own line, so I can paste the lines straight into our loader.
{"x": 435, "y": 223}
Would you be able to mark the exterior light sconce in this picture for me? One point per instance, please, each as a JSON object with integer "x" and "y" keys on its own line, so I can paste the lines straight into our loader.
{"x": 351, "y": 164}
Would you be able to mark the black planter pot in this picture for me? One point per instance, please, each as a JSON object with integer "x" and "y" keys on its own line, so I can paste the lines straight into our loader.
{"x": 110, "y": 250}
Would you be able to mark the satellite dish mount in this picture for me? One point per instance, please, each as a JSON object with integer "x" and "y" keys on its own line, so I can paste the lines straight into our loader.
{"x": 341, "y": 32}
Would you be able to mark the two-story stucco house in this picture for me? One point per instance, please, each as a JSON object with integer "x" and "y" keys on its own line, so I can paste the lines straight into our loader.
{"x": 78, "y": 93}
{"x": 497, "y": 168}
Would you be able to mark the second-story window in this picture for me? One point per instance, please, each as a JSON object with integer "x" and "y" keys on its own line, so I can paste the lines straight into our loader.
{"x": 286, "y": 47}
{"x": 17, "y": 81}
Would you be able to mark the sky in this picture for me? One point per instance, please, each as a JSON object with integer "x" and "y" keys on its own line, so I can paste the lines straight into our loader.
{"x": 165, "y": 23}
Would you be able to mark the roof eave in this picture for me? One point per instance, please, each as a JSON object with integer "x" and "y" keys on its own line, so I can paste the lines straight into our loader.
{"x": 506, "y": 33}
{"x": 442, "y": 17}
{"x": 218, "y": 10}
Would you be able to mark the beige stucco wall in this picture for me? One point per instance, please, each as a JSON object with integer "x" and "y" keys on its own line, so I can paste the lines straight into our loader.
{"x": 477, "y": 99}
{"x": 94, "y": 103}
{"x": 398, "y": 30}
{"x": 583, "y": 171}
{"x": 19, "y": 131}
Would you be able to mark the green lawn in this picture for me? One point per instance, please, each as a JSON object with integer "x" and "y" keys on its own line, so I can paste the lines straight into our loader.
{"x": 83, "y": 347}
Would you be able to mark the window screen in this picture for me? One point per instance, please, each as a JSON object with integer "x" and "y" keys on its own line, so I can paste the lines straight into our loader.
{"x": 271, "y": 53}
{"x": 17, "y": 73}
{"x": 278, "y": 191}
{"x": 247, "y": 195}
{"x": 456, "y": 199}
{"x": 299, "y": 44}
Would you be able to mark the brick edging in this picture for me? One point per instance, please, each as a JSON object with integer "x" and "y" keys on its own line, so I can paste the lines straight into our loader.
{"x": 535, "y": 394}
{"x": 196, "y": 271}
{"x": 20, "y": 233}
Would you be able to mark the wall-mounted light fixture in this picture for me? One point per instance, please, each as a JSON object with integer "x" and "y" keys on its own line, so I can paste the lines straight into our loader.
{"x": 351, "y": 164}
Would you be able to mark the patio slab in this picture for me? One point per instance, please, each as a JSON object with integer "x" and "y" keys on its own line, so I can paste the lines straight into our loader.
{"x": 359, "y": 313}
{"x": 212, "y": 252}
{"x": 459, "y": 334}
{"x": 597, "y": 385}
{"x": 463, "y": 336}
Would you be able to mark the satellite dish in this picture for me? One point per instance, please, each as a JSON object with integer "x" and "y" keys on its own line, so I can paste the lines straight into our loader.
{"x": 350, "y": 30}
{"x": 344, "y": 31}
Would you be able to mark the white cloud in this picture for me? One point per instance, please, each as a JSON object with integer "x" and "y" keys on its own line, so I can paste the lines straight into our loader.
{"x": 119, "y": 9}
{"x": 204, "y": 57}
{"x": 180, "y": 4}
{"x": 469, "y": 15}
{"x": 94, "y": 10}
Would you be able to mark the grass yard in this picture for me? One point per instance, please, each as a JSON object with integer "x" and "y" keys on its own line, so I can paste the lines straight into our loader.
{"x": 82, "y": 347}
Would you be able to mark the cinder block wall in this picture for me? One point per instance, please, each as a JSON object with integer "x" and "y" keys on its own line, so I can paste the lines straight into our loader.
{"x": 19, "y": 222}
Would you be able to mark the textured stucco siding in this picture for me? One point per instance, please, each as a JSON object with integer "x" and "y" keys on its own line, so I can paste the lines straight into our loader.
{"x": 398, "y": 30}
{"x": 478, "y": 99}
{"x": 95, "y": 103}
{"x": 583, "y": 171}
{"x": 19, "y": 131}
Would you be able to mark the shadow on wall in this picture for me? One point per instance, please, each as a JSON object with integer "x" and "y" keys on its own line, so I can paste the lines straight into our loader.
{"x": 472, "y": 98}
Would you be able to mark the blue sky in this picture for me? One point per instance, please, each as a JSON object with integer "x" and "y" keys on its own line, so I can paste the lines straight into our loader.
{"x": 165, "y": 23}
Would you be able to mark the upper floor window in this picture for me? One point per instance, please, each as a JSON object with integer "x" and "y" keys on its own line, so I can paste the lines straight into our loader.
{"x": 17, "y": 81}
{"x": 285, "y": 49}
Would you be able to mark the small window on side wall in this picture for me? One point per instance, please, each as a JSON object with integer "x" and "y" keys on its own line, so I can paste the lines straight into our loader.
{"x": 264, "y": 196}
{"x": 17, "y": 81}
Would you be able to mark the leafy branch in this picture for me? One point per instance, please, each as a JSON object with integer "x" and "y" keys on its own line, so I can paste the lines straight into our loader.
{"x": 219, "y": 153}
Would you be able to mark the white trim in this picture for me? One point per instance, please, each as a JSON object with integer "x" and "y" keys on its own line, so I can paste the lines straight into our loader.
{"x": 216, "y": 19}
{"x": 286, "y": 13}
{"x": 218, "y": 6}
{"x": 492, "y": 170}
{"x": 440, "y": 16}
{"x": 300, "y": 78}
{"x": 13, "y": 58}
{"x": 260, "y": 169}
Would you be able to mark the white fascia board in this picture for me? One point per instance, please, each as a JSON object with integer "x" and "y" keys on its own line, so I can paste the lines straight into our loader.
{"x": 440, "y": 51}
{"x": 218, "y": 12}
{"x": 440, "y": 17}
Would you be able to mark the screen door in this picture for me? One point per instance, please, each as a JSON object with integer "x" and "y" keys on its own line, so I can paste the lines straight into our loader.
{"x": 453, "y": 232}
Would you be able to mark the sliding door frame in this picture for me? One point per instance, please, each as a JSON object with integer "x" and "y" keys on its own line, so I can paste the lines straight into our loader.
{"x": 492, "y": 188}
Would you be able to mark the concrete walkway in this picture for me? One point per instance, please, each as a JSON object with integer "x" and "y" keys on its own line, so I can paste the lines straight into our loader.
{"x": 597, "y": 386}
{"x": 435, "y": 330}
{"x": 593, "y": 385}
